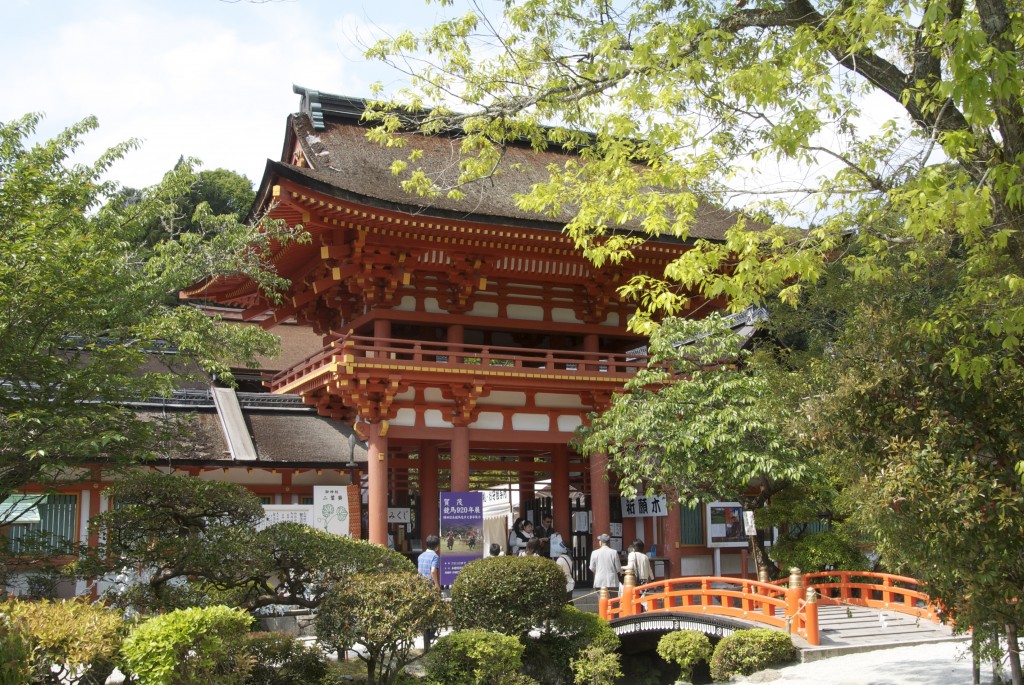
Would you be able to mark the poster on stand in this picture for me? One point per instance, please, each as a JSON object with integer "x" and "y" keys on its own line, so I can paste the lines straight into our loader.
{"x": 725, "y": 525}
{"x": 330, "y": 509}
{"x": 462, "y": 526}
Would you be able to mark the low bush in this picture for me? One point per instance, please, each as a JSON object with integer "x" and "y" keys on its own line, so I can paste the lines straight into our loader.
{"x": 473, "y": 657}
{"x": 279, "y": 659}
{"x": 548, "y": 656}
{"x": 384, "y": 613}
{"x": 190, "y": 647}
{"x": 685, "y": 648}
{"x": 596, "y": 666}
{"x": 15, "y": 651}
{"x": 747, "y": 651}
{"x": 68, "y": 638}
{"x": 509, "y": 595}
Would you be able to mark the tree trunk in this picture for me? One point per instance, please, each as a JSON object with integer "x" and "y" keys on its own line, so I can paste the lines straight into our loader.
{"x": 1013, "y": 651}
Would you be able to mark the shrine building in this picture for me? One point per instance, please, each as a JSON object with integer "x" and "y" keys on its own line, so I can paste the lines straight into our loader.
{"x": 462, "y": 341}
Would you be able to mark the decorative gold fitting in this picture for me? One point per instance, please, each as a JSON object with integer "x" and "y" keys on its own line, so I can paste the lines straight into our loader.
{"x": 795, "y": 577}
{"x": 811, "y": 595}
{"x": 628, "y": 578}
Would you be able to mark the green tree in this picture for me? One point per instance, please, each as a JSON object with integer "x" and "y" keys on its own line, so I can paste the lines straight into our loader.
{"x": 198, "y": 542}
{"x": 82, "y": 305}
{"x": 697, "y": 425}
{"x": 667, "y": 102}
{"x": 384, "y": 613}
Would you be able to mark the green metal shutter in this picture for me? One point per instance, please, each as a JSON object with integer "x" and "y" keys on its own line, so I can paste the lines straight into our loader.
{"x": 691, "y": 523}
{"x": 58, "y": 519}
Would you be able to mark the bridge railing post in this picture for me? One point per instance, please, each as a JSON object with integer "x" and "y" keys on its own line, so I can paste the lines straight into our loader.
{"x": 811, "y": 617}
{"x": 766, "y": 607}
{"x": 602, "y": 604}
{"x": 626, "y": 607}
{"x": 793, "y": 596}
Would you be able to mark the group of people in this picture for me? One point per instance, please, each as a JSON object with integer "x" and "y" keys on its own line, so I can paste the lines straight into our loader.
{"x": 528, "y": 540}
{"x": 606, "y": 565}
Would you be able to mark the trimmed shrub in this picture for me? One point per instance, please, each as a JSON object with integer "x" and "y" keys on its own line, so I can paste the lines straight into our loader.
{"x": 279, "y": 659}
{"x": 15, "y": 651}
{"x": 509, "y": 595}
{"x": 548, "y": 656}
{"x": 596, "y": 666}
{"x": 69, "y": 638}
{"x": 473, "y": 657}
{"x": 384, "y": 613}
{"x": 747, "y": 651}
{"x": 190, "y": 647}
{"x": 686, "y": 648}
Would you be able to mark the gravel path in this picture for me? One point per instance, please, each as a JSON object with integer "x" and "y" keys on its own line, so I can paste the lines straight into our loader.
{"x": 946, "y": 663}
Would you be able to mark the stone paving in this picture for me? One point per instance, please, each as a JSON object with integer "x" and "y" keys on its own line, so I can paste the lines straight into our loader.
{"x": 850, "y": 629}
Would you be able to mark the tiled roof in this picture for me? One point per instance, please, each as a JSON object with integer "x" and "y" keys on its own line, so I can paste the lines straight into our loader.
{"x": 343, "y": 162}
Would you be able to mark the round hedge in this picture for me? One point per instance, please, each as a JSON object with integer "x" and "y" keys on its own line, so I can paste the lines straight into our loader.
{"x": 508, "y": 595}
{"x": 473, "y": 657}
{"x": 686, "y": 648}
{"x": 748, "y": 651}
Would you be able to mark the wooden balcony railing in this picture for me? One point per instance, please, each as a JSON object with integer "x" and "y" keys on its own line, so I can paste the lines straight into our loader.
{"x": 443, "y": 356}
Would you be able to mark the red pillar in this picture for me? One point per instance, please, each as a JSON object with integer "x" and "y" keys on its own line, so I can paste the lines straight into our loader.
{"x": 560, "y": 493}
{"x": 599, "y": 494}
{"x": 460, "y": 459}
{"x": 429, "y": 524}
{"x": 591, "y": 343}
{"x": 377, "y": 471}
{"x": 672, "y": 544}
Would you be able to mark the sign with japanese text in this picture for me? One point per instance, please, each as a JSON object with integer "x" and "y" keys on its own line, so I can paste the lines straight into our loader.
{"x": 462, "y": 532}
{"x": 330, "y": 509}
{"x": 402, "y": 515}
{"x": 640, "y": 507}
{"x": 281, "y": 513}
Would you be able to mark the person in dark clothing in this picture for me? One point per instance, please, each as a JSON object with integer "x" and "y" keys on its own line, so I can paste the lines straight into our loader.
{"x": 543, "y": 533}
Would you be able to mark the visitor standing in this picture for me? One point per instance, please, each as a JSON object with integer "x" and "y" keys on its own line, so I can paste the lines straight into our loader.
{"x": 543, "y": 533}
{"x": 560, "y": 553}
{"x": 429, "y": 566}
{"x": 604, "y": 564}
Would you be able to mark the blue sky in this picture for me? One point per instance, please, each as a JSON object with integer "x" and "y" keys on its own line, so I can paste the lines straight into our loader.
{"x": 205, "y": 78}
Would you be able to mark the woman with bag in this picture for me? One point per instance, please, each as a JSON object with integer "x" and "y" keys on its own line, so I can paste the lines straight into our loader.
{"x": 640, "y": 564}
{"x": 560, "y": 554}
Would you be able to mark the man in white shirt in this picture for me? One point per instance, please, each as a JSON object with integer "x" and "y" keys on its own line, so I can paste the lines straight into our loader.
{"x": 604, "y": 564}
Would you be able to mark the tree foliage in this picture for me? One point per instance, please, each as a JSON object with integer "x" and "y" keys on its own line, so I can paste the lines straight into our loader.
{"x": 197, "y": 542}
{"x": 83, "y": 304}
{"x": 384, "y": 613}
{"x": 910, "y": 222}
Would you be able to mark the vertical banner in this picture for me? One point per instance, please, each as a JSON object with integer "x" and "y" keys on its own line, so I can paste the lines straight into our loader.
{"x": 462, "y": 532}
{"x": 330, "y": 509}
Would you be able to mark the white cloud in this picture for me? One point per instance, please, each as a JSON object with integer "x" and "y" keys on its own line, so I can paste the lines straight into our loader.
{"x": 206, "y": 79}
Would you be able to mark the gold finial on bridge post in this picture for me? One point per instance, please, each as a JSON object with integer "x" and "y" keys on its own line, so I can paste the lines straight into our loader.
{"x": 793, "y": 600}
{"x": 626, "y": 607}
{"x": 762, "y": 575}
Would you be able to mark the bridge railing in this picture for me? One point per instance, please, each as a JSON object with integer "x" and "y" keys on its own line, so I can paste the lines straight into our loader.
{"x": 785, "y": 608}
{"x": 883, "y": 591}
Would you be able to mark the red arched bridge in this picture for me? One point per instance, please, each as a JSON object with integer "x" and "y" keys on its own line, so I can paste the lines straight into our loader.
{"x": 791, "y": 605}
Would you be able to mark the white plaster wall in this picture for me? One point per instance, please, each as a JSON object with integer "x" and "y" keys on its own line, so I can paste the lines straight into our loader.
{"x": 432, "y": 418}
{"x": 503, "y": 398}
{"x": 486, "y": 309}
{"x": 557, "y": 401}
{"x": 404, "y": 417}
{"x": 569, "y": 423}
{"x": 698, "y": 566}
{"x": 531, "y": 422}
{"x": 525, "y": 312}
{"x": 564, "y": 316}
{"x": 489, "y": 420}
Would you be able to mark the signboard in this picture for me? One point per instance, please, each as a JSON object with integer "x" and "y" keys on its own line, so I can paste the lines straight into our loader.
{"x": 402, "y": 515}
{"x": 280, "y": 513}
{"x": 641, "y": 507}
{"x": 749, "y": 527}
{"x": 330, "y": 509}
{"x": 462, "y": 532}
{"x": 725, "y": 525}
